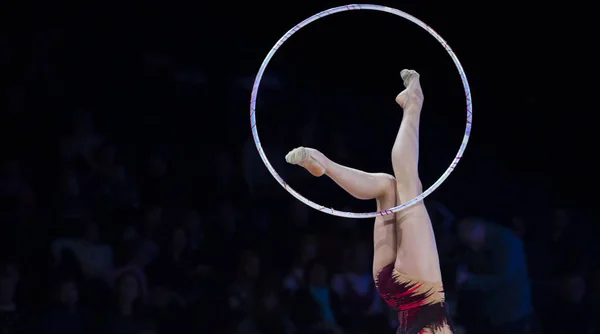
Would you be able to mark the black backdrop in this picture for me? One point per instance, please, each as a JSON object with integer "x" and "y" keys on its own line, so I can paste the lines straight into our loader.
{"x": 532, "y": 138}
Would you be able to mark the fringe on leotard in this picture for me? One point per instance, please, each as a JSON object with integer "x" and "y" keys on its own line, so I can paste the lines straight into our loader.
{"x": 420, "y": 304}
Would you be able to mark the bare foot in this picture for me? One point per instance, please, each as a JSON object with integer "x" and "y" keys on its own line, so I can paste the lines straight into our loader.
{"x": 412, "y": 95}
{"x": 308, "y": 158}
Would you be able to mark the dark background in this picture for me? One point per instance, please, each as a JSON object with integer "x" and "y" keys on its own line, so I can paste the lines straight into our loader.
{"x": 518, "y": 58}
{"x": 171, "y": 79}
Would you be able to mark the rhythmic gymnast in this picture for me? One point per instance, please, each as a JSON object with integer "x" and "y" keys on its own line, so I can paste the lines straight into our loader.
{"x": 406, "y": 267}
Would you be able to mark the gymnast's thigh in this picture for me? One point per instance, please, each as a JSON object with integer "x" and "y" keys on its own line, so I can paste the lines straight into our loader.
{"x": 417, "y": 254}
{"x": 384, "y": 236}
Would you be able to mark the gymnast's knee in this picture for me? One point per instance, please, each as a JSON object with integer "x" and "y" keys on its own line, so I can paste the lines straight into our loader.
{"x": 387, "y": 196}
{"x": 408, "y": 188}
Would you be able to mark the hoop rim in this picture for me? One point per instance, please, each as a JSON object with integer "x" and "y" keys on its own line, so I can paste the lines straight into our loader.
{"x": 331, "y": 211}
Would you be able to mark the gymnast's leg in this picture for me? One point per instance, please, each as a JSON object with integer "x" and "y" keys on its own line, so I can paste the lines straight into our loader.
{"x": 405, "y": 153}
{"x": 417, "y": 254}
{"x": 361, "y": 185}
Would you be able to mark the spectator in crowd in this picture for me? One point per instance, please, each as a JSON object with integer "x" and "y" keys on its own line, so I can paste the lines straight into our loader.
{"x": 66, "y": 315}
{"x": 316, "y": 305}
{"x": 94, "y": 258}
{"x": 194, "y": 230}
{"x": 566, "y": 242}
{"x": 146, "y": 248}
{"x": 497, "y": 270}
{"x": 111, "y": 186}
{"x": 12, "y": 319}
{"x": 361, "y": 306}
{"x": 79, "y": 148}
{"x": 18, "y": 209}
{"x": 12, "y": 180}
{"x": 309, "y": 250}
{"x": 73, "y": 204}
{"x": 567, "y": 312}
{"x": 124, "y": 190}
{"x": 519, "y": 227}
{"x": 128, "y": 314}
{"x": 268, "y": 317}
{"x": 592, "y": 300}
{"x": 242, "y": 293}
{"x": 101, "y": 177}
{"x": 173, "y": 272}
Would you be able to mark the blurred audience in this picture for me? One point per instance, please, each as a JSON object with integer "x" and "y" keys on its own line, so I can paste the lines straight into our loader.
{"x": 12, "y": 317}
{"x": 495, "y": 272}
{"x": 316, "y": 306}
{"x": 66, "y": 314}
{"x": 93, "y": 258}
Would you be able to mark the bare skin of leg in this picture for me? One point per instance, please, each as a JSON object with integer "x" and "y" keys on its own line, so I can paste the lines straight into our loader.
{"x": 361, "y": 185}
{"x": 417, "y": 254}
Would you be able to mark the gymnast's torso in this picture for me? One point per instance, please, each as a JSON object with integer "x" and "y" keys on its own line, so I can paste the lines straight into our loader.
{"x": 420, "y": 304}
